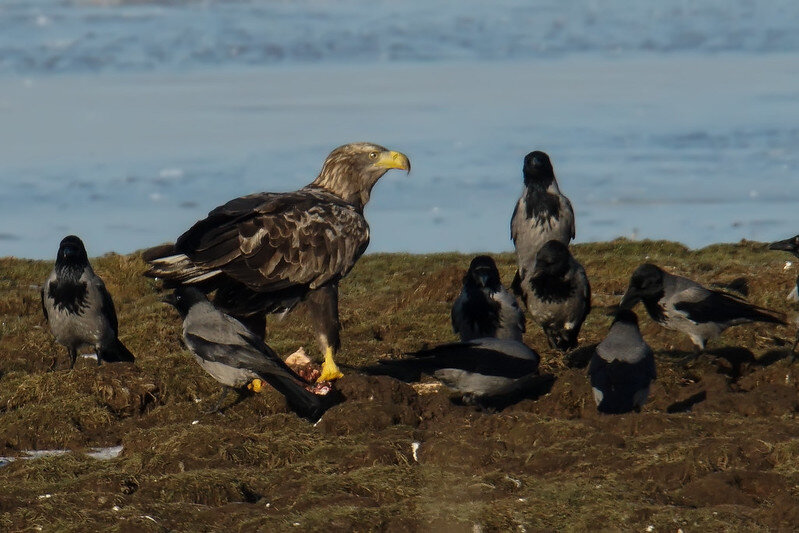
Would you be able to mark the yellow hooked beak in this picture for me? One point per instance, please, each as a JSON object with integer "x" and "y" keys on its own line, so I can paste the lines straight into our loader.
{"x": 392, "y": 159}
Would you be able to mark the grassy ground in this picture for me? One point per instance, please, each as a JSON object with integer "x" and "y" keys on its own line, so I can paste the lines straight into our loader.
{"x": 714, "y": 449}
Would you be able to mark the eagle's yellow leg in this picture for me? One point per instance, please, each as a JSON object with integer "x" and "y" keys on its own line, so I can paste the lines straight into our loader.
{"x": 256, "y": 385}
{"x": 329, "y": 369}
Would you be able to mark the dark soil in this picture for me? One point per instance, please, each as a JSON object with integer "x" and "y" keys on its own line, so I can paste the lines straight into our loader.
{"x": 716, "y": 447}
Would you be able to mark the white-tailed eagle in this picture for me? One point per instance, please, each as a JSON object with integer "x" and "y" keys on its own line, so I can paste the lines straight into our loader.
{"x": 266, "y": 252}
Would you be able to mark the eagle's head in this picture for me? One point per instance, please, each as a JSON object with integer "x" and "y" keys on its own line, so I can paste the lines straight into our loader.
{"x": 350, "y": 171}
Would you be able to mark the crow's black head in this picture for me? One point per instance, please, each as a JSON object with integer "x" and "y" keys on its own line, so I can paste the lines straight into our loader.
{"x": 537, "y": 169}
{"x": 788, "y": 245}
{"x": 625, "y": 316}
{"x": 71, "y": 253}
{"x": 184, "y": 298}
{"x": 552, "y": 260}
{"x": 646, "y": 283}
{"x": 482, "y": 273}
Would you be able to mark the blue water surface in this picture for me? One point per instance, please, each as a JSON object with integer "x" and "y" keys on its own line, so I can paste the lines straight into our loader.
{"x": 124, "y": 122}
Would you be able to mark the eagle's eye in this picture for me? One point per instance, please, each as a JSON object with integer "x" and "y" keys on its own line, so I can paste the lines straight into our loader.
{"x": 372, "y": 155}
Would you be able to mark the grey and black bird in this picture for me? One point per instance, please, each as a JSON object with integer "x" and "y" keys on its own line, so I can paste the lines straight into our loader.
{"x": 684, "y": 305}
{"x": 78, "y": 307}
{"x": 266, "y": 252}
{"x": 792, "y": 246}
{"x": 542, "y": 213}
{"x": 555, "y": 291}
{"x": 484, "y": 308}
{"x": 235, "y": 357}
{"x": 480, "y": 370}
{"x": 622, "y": 367}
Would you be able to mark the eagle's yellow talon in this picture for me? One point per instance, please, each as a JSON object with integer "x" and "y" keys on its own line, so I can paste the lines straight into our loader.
{"x": 256, "y": 385}
{"x": 329, "y": 369}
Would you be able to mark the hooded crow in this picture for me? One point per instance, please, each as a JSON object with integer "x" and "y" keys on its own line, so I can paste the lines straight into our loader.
{"x": 542, "y": 213}
{"x": 684, "y": 305}
{"x": 789, "y": 245}
{"x": 266, "y": 252}
{"x": 556, "y": 292}
{"x": 480, "y": 369}
{"x": 78, "y": 307}
{"x": 622, "y": 367}
{"x": 237, "y": 358}
{"x": 484, "y": 308}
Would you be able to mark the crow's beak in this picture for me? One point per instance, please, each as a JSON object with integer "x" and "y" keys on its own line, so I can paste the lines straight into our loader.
{"x": 629, "y": 300}
{"x": 170, "y": 299}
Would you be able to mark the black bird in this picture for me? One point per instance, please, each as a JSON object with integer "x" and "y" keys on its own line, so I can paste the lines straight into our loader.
{"x": 684, "y": 305}
{"x": 789, "y": 245}
{"x": 484, "y": 308}
{"x": 556, "y": 292}
{"x": 479, "y": 370}
{"x": 266, "y": 252}
{"x": 542, "y": 213}
{"x": 622, "y": 367}
{"x": 236, "y": 357}
{"x": 78, "y": 307}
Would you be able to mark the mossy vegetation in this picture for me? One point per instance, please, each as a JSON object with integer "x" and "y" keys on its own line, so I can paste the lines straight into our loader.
{"x": 714, "y": 449}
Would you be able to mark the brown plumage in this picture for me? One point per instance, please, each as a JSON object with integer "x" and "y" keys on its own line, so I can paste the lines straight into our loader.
{"x": 265, "y": 252}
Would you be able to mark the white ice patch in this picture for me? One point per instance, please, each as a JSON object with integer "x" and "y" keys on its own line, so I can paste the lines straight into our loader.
{"x": 171, "y": 173}
{"x": 101, "y": 454}
{"x": 104, "y": 454}
{"x": 793, "y": 296}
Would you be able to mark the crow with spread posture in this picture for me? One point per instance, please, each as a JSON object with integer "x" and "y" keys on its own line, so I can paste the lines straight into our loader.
{"x": 266, "y": 252}
{"x": 542, "y": 213}
{"x": 684, "y": 305}
{"x": 237, "y": 358}
{"x": 484, "y": 308}
{"x": 622, "y": 367}
{"x": 78, "y": 307}
{"x": 481, "y": 370}
{"x": 556, "y": 292}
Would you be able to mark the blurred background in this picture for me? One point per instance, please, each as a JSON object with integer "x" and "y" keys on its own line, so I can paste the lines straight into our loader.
{"x": 126, "y": 121}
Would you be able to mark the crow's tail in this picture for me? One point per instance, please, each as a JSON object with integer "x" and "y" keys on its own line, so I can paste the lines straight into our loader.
{"x": 116, "y": 353}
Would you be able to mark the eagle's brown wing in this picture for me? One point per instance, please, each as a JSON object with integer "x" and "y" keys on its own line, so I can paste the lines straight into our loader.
{"x": 272, "y": 241}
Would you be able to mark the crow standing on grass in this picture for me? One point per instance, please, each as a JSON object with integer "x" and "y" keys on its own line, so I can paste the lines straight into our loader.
{"x": 622, "y": 367}
{"x": 556, "y": 292}
{"x": 684, "y": 305}
{"x": 789, "y": 245}
{"x": 236, "y": 358}
{"x": 78, "y": 307}
{"x": 484, "y": 308}
{"x": 266, "y": 252}
{"x": 542, "y": 213}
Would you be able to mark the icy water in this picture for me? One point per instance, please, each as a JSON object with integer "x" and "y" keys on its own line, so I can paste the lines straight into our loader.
{"x": 126, "y": 122}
